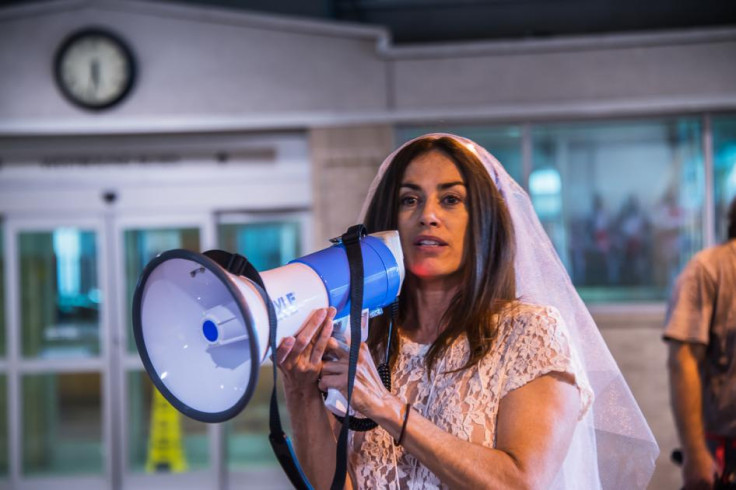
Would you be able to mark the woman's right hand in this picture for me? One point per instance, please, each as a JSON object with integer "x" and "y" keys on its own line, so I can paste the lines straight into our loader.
{"x": 300, "y": 357}
{"x": 699, "y": 470}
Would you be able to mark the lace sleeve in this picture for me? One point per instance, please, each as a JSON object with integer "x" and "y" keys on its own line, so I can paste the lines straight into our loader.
{"x": 538, "y": 344}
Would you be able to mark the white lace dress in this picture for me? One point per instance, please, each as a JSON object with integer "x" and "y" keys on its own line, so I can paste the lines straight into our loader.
{"x": 530, "y": 344}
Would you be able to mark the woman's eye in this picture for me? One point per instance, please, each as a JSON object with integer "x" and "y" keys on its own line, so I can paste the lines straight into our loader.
{"x": 408, "y": 201}
{"x": 452, "y": 200}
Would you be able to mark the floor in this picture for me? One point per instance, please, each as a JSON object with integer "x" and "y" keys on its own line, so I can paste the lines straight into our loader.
{"x": 641, "y": 354}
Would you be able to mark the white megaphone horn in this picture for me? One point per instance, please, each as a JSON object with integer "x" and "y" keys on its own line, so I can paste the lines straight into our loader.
{"x": 202, "y": 332}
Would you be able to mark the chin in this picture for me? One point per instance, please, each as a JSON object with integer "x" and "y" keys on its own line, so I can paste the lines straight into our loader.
{"x": 425, "y": 273}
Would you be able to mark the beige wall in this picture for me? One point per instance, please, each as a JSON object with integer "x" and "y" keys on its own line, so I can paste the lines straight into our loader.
{"x": 345, "y": 160}
{"x": 209, "y": 69}
{"x": 194, "y": 64}
{"x": 612, "y": 71}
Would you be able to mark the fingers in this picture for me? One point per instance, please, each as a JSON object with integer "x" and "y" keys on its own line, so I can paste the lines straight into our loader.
{"x": 284, "y": 349}
{"x": 309, "y": 329}
{"x": 337, "y": 349}
{"x": 289, "y": 351}
{"x": 320, "y": 343}
{"x": 328, "y": 381}
{"x": 333, "y": 367}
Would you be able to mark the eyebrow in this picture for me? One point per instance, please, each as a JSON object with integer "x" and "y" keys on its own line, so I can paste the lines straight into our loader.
{"x": 443, "y": 186}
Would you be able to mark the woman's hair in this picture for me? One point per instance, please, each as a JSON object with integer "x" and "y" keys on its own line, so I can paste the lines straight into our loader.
{"x": 487, "y": 271}
{"x": 732, "y": 220}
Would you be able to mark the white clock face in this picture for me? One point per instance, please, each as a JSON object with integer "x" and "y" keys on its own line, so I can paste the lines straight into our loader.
{"x": 94, "y": 70}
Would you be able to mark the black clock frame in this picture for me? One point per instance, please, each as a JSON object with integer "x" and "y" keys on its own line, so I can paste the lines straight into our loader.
{"x": 100, "y": 32}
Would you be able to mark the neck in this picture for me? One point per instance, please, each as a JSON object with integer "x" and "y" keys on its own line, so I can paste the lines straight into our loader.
{"x": 429, "y": 301}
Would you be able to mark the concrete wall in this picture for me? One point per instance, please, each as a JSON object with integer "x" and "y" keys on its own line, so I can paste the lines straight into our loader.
{"x": 596, "y": 75}
{"x": 212, "y": 69}
{"x": 193, "y": 63}
{"x": 345, "y": 160}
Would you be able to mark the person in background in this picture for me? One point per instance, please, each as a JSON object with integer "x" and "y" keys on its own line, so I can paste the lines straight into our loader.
{"x": 701, "y": 333}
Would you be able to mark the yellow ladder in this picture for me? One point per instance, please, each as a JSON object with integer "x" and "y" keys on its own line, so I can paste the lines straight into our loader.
{"x": 165, "y": 450}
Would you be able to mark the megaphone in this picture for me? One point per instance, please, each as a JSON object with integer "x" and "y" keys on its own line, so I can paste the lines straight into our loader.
{"x": 203, "y": 332}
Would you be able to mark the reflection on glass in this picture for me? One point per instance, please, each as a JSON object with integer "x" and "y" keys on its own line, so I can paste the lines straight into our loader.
{"x": 143, "y": 245}
{"x": 62, "y": 427}
{"x": 2, "y": 292}
{"x": 266, "y": 244}
{"x": 724, "y": 156}
{"x": 247, "y": 434}
{"x": 3, "y": 427}
{"x": 160, "y": 439}
{"x": 60, "y": 297}
{"x": 622, "y": 202}
{"x": 502, "y": 142}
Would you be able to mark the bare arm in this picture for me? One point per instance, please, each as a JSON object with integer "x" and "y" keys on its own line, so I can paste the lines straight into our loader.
{"x": 531, "y": 442}
{"x": 534, "y": 429}
{"x": 684, "y": 365}
{"x": 300, "y": 360}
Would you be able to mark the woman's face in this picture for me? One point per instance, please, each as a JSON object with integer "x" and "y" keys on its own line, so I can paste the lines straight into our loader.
{"x": 433, "y": 216}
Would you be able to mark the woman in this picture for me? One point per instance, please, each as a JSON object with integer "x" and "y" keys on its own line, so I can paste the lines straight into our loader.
{"x": 488, "y": 390}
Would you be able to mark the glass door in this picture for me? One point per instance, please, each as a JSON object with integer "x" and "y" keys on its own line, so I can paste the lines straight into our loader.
{"x": 57, "y": 350}
{"x": 159, "y": 446}
{"x": 231, "y": 455}
{"x": 81, "y": 409}
{"x": 4, "y": 440}
{"x": 268, "y": 240}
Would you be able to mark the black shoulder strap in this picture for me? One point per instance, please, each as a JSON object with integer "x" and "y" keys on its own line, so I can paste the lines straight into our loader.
{"x": 351, "y": 241}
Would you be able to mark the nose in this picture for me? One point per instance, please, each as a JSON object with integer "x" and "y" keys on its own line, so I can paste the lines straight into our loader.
{"x": 430, "y": 214}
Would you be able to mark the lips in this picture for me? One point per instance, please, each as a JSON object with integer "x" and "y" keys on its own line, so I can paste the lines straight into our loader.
{"x": 429, "y": 241}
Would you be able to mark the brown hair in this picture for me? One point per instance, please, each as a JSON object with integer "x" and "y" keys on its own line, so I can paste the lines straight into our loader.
{"x": 488, "y": 275}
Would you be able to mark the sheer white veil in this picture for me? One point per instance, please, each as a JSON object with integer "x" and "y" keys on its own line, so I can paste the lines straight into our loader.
{"x": 613, "y": 447}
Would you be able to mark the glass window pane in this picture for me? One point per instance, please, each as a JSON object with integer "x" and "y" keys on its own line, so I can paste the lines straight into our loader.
{"x": 621, "y": 201}
{"x": 266, "y": 244}
{"x": 141, "y": 246}
{"x": 503, "y": 142}
{"x": 60, "y": 297}
{"x": 2, "y": 292}
{"x": 160, "y": 439}
{"x": 62, "y": 424}
{"x": 3, "y": 426}
{"x": 247, "y": 434}
{"x": 724, "y": 153}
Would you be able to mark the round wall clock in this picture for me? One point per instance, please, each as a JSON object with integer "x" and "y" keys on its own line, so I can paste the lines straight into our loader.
{"x": 94, "y": 68}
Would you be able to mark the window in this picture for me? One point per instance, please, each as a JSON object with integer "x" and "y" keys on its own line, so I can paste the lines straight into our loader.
{"x": 621, "y": 201}
{"x": 185, "y": 438}
{"x": 724, "y": 172}
{"x": 60, "y": 298}
{"x": 503, "y": 142}
{"x": 62, "y": 426}
{"x": 267, "y": 244}
{"x": 2, "y": 293}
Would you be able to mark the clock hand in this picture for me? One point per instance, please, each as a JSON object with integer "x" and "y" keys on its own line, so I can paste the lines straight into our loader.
{"x": 95, "y": 73}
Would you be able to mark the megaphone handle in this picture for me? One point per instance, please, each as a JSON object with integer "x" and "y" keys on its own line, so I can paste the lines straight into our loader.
{"x": 334, "y": 400}
{"x": 337, "y": 404}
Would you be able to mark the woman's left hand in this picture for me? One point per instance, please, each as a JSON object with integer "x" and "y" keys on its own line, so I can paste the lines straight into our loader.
{"x": 369, "y": 394}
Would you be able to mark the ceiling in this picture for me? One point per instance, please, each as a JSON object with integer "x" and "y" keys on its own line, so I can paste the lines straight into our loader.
{"x": 423, "y": 21}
